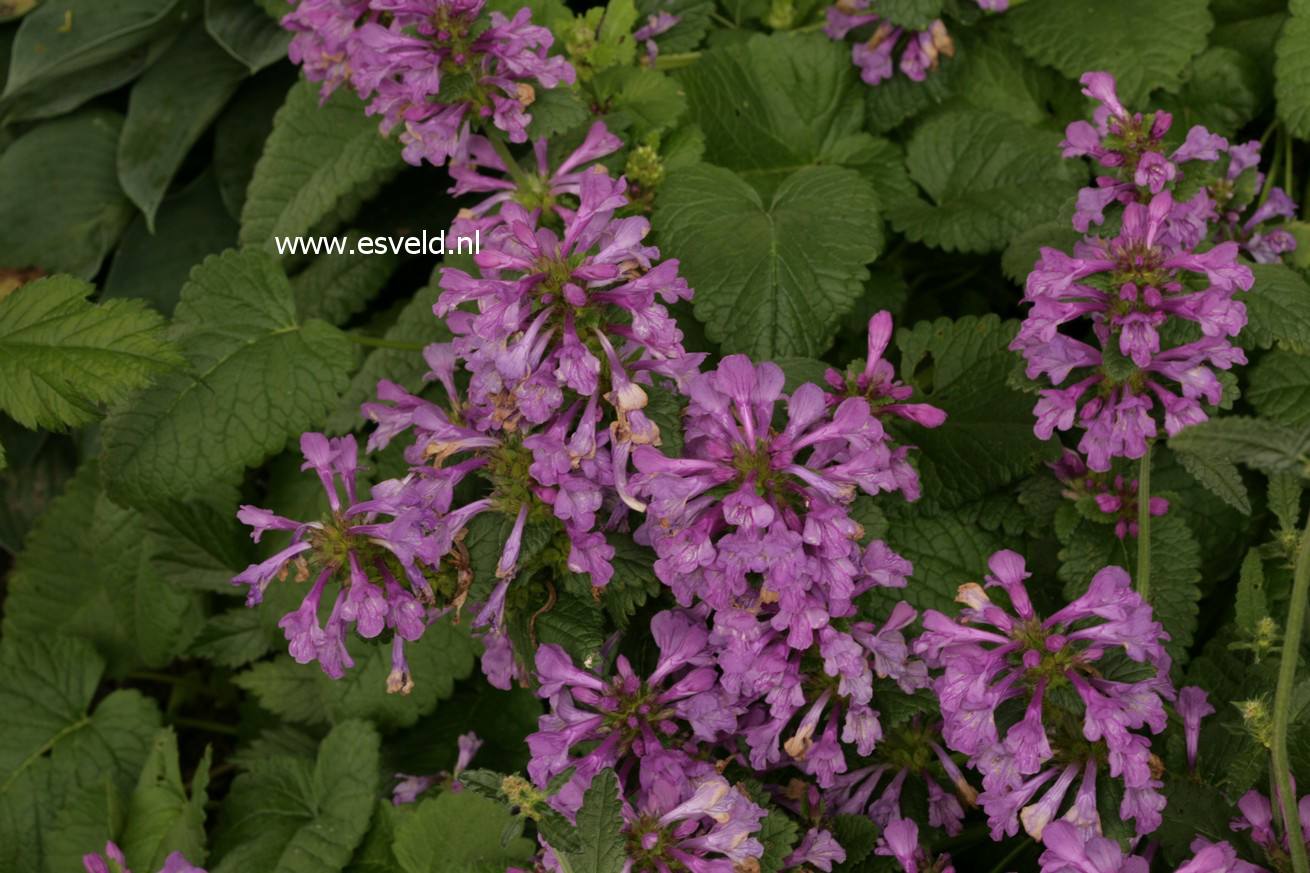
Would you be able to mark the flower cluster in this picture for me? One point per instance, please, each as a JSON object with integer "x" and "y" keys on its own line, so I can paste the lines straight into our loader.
{"x": 1115, "y": 497}
{"x": 409, "y": 787}
{"x": 112, "y": 861}
{"x": 1156, "y": 298}
{"x": 879, "y": 39}
{"x": 428, "y": 66}
{"x": 993, "y": 659}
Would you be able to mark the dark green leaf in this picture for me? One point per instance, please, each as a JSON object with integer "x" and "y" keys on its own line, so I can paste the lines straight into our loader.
{"x": 246, "y": 32}
{"x": 599, "y": 826}
{"x": 457, "y": 833}
{"x": 163, "y": 816}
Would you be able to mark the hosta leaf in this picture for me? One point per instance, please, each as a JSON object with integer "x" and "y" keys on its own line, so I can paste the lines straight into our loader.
{"x": 88, "y": 571}
{"x": 62, "y": 357}
{"x": 62, "y": 208}
{"x": 1276, "y": 309}
{"x": 457, "y": 833}
{"x": 260, "y": 379}
{"x": 1256, "y": 442}
{"x": 1144, "y": 45}
{"x": 772, "y": 276}
{"x": 55, "y": 747}
{"x": 246, "y": 32}
{"x": 987, "y": 439}
{"x": 315, "y": 157}
{"x": 303, "y": 693}
{"x": 1280, "y": 387}
{"x": 986, "y": 179}
{"x": 291, "y": 815}
{"x": 167, "y": 111}
{"x": 1292, "y": 70}
{"x": 164, "y": 816}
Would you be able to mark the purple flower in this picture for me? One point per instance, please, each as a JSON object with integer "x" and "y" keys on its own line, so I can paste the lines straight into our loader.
{"x": 655, "y": 25}
{"x": 878, "y": 40}
{"x": 409, "y": 787}
{"x": 818, "y": 849}
{"x": 990, "y": 656}
{"x": 1192, "y": 706}
{"x": 900, "y": 840}
{"x": 112, "y": 861}
{"x": 1071, "y": 849}
{"x": 1115, "y": 497}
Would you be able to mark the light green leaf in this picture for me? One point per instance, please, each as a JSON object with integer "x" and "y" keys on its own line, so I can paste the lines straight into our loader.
{"x": 987, "y": 440}
{"x": 555, "y": 111}
{"x": 246, "y": 32}
{"x": 316, "y": 158}
{"x": 54, "y": 750}
{"x": 1292, "y": 70}
{"x": 261, "y": 378}
{"x": 1285, "y": 499}
{"x": 62, "y": 358}
{"x": 457, "y": 833}
{"x": 600, "y": 828}
{"x": 62, "y": 208}
{"x": 1280, "y": 387}
{"x": 167, "y": 111}
{"x": 986, "y": 179}
{"x": 304, "y": 694}
{"x": 1276, "y": 309}
{"x": 293, "y": 816}
{"x": 88, "y": 571}
{"x": 163, "y": 817}
{"x": 773, "y": 276}
{"x": 1220, "y": 477}
{"x": 1256, "y": 442}
{"x": 1145, "y": 45}
{"x": 1251, "y": 604}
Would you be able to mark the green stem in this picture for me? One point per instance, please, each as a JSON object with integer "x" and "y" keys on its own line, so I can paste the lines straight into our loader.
{"x": 204, "y": 725}
{"x": 1287, "y": 170}
{"x": 502, "y": 149}
{"x": 1007, "y": 862}
{"x": 1144, "y": 527}
{"x": 676, "y": 61}
{"x": 381, "y": 343}
{"x": 1283, "y": 702}
{"x": 1280, "y": 144}
{"x": 726, "y": 22}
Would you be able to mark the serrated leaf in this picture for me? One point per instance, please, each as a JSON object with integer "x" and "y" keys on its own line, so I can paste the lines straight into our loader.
{"x": 295, "y": 816}
{"x": 634, "y": 581}
{"x": 946, "y": 552}
{"x": 163, "y": 816}
{"x": 640, "y": 100}
{"x": 232, "y": 638}
{"x": 1285, "y": 499}
{"x": 778, "y": 833}
{"x": 457, "y": 833}
{"x": 1223, "y": 89}
{"x": 1280, "y": 387}
{"x": 1251, "y": 604}
{"x": 314, "y": 158}
{"x": 1220, "y": 477}
{"x": 772, "y": 276}
{"x": 1256, "y": 442}
{"x": 1292, "y": 70}
{"x": 336, "y": 286}
{"x": 986, "y": 179}
{"x": 62, "y": 208}
{"x": 599, "y": 827}
{"x": 249, "y": 34}
{"x": 88, "y": 571}
{"x": 576, "y": 624}
{"x": 911, "y": 14}
{"x": 62, "y": 357}
{"x": 54, "y": 747}
{"x": 167, "y": 111}
{"x": 91, "y": 815}
{"x": 556, "y": 111}
{"x": 857, "y": 835}
{"x": 1276, "y": 309}
{"x": 261, "y": 378}
{"x": 414, "y": 324}
{"x": 987, "y": 440}
{"x": 1024, "y": 250}
{"x": 1144, "y": 45}
{"x": 1194, "y": 810}
{"x": 303, "y": 693}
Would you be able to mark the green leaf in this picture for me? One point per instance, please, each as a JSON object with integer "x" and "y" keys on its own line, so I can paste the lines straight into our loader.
{"x": 336, "y": 286}
{"x": 772, "y": 276}
{"x": 634, "y": 581}
{"x": 1145, "y": 45}
{"x": 1194, "y": 810}
{"x": 639, "y": 100}
{"x": 576, "y": 624}
{"x": 246, "y": 32}
{"x": 457, "y": 833}
{"x": 295, "y": 816}
{"x": 54, "y": 748}
{"x": 912, "y": 14}
{"x": 555, "y": 111}
{"x": 1223, "y": 89}
{"x": 778, "y": 833}
{"x": 1220, "y": 477}
{"x": 261, "y": 378}
{"x": 1285, "y": 499}
{"x": 63, "y": 209}
{"x": 163, "y": 816}
{"x": 986, "y": 179}
{"x": 62, "y": 358}
{"x": 987, "y": 440}
{"x": 92, "y": 815}
{"x": 600, "y": 828}
{"x": 303, "y": 693}
{"x": 1024, "y": 250}
{"x": 1280, "y": 387}
{"x": 61, "y": 38}
{"x": 989, "y": 74}
{"x": 154, "y": 266}
{"x": 1292, "y": 70}
{"x": 232, "y": 638}
{"x": 315, "y": 158}
{"x": 88, "y": 571}
{"x": 1251, "y": 604}
{"x": 1256, "y": 442}
{"x": 774, "y": 104}
{"x": 946, "y": 552}
{"x": 167, "y": 111}
{"x": 1276, "y": 309}
{"x": 240, "y": 133}
{"x": 857, "y": 835}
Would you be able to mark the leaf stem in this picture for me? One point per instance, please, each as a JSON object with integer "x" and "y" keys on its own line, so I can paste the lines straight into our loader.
{"x": 1283, "y": 703}
{"x": 1144, "y": 527}
{"x": 382, "y": 343}
{"x": 204, "y": 724}
{"x": 497, "y": 140}
{"x": 676, "y": 61}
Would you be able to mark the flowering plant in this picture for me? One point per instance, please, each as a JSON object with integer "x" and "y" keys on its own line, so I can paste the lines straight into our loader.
{"x": 663, "y": 436}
